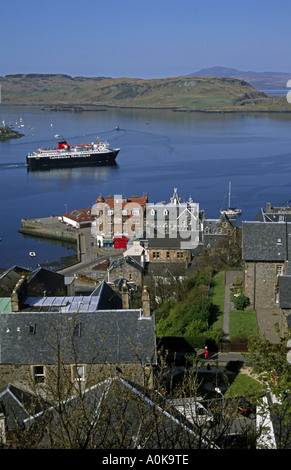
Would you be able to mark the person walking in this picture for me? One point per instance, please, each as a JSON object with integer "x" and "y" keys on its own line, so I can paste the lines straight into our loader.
{"x": 206, "y": 353}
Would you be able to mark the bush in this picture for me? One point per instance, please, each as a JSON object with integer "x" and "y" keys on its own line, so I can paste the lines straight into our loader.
{"x": 240, "y": 301}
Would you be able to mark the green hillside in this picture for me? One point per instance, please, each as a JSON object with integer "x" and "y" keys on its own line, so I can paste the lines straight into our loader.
{"x": 180, "y": 93}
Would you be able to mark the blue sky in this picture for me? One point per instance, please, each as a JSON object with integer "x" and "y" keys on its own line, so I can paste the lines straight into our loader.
{"x": 143, "y": 38}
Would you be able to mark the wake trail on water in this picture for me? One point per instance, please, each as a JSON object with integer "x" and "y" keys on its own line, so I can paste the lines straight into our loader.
{"x": 6, "y": 166}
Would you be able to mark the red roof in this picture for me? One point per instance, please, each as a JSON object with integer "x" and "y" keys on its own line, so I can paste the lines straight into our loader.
{"x": 133, "y": 199}
{"x": 80, "y": 215}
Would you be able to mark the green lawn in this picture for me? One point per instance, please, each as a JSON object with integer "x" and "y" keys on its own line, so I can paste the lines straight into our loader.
{"x": 244, "y": 385}
{"x": 242, "y": 322}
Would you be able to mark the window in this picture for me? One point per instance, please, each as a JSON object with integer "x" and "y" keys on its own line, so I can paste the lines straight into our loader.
{"x": 78, "y": 372}
{"x": 38, "y": 374}
{"x": 168, "y": 255}
{"x": 32, "y": 329}
{"x": 279, "y": 270}
{"x": 77, "y": 330}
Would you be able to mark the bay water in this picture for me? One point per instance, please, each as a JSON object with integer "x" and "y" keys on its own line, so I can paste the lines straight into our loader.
{"x": 198, "y": 153}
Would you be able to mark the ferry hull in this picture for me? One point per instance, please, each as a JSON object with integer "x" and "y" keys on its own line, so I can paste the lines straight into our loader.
{"x": 68, "y": 160}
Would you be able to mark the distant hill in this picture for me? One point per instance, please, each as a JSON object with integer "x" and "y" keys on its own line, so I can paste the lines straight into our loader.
{"x": 211, "y": 94}
{"x": 260, "y": 80}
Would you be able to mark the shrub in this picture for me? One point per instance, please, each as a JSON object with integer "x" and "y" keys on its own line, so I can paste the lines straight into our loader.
{"x": 240, "y": 301}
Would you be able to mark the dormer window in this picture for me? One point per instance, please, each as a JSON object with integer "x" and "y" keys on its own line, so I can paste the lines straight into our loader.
{"x": 32, "y": 329}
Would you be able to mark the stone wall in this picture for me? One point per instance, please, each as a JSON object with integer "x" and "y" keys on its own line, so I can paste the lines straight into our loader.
{"x": 22, "y": 375}
{"x": 126, "y": 271}
{"x": 260, "y": 284}
{"x": 171, "y": 256}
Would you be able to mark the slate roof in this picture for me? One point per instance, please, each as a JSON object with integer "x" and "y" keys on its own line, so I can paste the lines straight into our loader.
{"x": 148, "y": 416}
{"x": 263, "y": 216}
{"x": 114, "y": 336}
{"x": 285, "y": 291}
{"x": 266, "y": 241}
{"x": 128, "y": 259}
{"x": 107, "y": 297}
{"x": 18, "y": 405}
{"x": 9, "y": 279}
{"x": 44, "y": 278}
{"x": 174, "y": 243}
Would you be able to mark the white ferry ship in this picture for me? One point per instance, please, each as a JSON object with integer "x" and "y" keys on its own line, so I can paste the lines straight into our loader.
{"x": 97, "y": 153}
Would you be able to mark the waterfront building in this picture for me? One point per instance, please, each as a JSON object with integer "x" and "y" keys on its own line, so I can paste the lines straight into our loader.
{"x": 118, "y": 218}
{"x": 78, "y": 218}
{"x": 173, "y": 230}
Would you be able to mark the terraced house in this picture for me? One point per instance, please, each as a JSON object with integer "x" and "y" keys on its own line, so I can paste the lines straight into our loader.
{"x": 266, "y": 252}
{"x": 93, "y": 337}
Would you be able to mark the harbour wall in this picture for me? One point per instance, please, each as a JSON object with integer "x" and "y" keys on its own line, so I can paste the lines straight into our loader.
{"x": 51, "y": 228}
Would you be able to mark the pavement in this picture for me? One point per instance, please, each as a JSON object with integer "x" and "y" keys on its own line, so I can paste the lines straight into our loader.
{"x": 228, "y": 305}
{"x": 221, "y": 357}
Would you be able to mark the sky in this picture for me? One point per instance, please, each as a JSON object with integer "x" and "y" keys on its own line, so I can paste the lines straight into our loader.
{"x": 143, "y": 38}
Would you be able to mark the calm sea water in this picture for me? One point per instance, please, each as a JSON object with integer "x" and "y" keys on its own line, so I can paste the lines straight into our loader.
{"x": 195, "y": 152}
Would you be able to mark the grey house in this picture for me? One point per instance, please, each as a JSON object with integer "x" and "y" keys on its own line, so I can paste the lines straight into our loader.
{"x": 266, "y": 252}
{"x": 93, "y": 339}
{"x": 129, "y": 268}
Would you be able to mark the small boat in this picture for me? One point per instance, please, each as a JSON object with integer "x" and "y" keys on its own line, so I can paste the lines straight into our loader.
{"x": 32, "y": 254}
{"x": 231, "y": 212}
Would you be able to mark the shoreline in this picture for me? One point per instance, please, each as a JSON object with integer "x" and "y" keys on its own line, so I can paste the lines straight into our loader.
{"x": 96, "y": 108}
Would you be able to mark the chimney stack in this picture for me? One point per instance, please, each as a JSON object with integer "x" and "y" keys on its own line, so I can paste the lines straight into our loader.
{"x": 18, "y": 294}
{"x": 146, "y": 302}
{"x": 125, "y": 295}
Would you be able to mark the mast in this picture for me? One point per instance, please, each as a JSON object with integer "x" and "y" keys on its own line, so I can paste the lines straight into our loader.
{"x": 229, "y": 191}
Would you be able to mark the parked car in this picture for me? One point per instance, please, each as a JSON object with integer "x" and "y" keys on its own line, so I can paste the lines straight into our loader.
{"x": 194, "y": 411}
